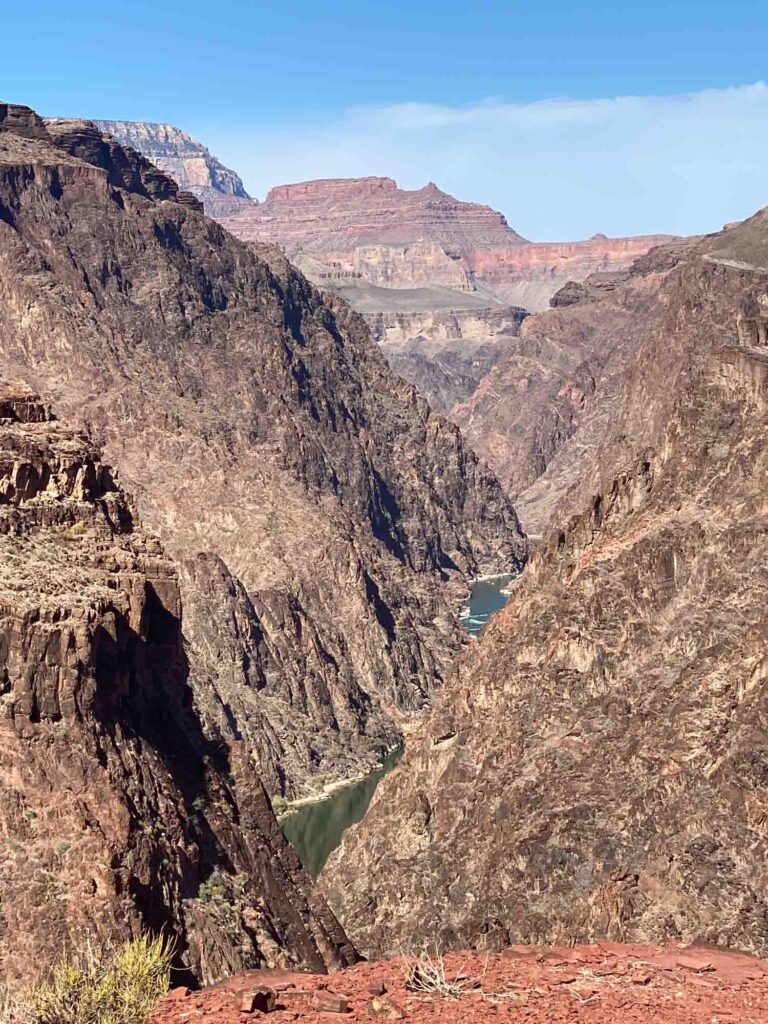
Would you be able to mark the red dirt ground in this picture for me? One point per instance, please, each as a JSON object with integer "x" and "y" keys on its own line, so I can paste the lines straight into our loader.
{"x": 602, "y": 984}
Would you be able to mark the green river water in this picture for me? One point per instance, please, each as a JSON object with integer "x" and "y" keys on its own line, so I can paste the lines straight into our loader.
{"x": 315, "y": 830}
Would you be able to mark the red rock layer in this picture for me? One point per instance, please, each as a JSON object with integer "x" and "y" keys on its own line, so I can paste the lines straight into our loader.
{"x": 603, "y": 984}
{"x": 339, "y": 214}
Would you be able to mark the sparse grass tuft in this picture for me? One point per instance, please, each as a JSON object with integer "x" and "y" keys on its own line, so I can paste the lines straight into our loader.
{"x": 426, "y": 972}
{"x": 119, "y": 986}
{"x": 12, "y": 1010}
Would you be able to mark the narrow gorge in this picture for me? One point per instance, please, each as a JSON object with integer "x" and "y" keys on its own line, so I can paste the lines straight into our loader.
{"x": 380, "y": 590}
{"x": 321, "y": 522}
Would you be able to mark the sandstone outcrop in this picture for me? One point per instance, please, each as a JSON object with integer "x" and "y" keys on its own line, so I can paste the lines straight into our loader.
{"x": 256, "y": 424}
{"x": 596, "y": 767}
{"x": 119, "y": 813}
{"x": 185, "y": 160}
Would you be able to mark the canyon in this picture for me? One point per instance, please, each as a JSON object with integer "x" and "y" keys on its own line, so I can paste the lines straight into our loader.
{"x": 316, "y": 522}
{"x": 236, "y": 538}
{"x": 596, "y": 766}
{"x": 441, "y": 283}
{"x": 433, "y": 276}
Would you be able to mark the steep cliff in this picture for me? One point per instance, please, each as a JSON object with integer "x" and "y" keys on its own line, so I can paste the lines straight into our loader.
{"x": 257, "y": 424}
{"x": 445, "y": 353}
{"x": 185, "y": 160}
{"x": 542, "y": 416}
{"x": 597, "y": 766}
{"x": 119, "y": 813}
{"x": 442, "y": 340}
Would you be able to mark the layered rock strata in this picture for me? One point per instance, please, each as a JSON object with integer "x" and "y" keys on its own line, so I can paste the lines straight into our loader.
{"x": 339, "y": 215}
{"x": 185, "y": 160}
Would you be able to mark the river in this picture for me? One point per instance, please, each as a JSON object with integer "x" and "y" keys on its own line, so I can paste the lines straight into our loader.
{"x": 314, "y": 830}
{"x": 488, "y": 596}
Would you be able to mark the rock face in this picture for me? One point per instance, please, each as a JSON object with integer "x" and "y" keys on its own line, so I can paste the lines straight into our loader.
{"x": 530, "y": 276}
{"x": 445, "y": 353}
{"x": 185, "y": 160}
{"x": 597, "y": 765}
{"x": 371, "y": 241}
{"x": 338, "y": 215}
{"x": 119, "y": 813}
{"x": 543, "y": 413}
{"x": 368, "y": 228}
{"x": 323, "y": 517}
{"x": 442, "y": 339}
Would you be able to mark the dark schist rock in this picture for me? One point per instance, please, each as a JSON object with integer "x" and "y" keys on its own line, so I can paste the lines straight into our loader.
{"x": 339, "y": 518}
{"x": 125, "y": 167}
{"x": 119, "y": 814}
{"x": 595, "y": 767}
{"x": 555, "y": 394}
{"x": 23, "y": 121}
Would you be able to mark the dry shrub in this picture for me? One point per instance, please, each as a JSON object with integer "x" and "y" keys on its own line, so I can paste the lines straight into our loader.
{"x": 426, "y": 971}
{"x": 118, "y": 986}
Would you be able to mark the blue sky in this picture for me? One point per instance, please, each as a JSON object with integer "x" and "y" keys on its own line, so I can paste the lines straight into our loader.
{"x": 571, "y": 117}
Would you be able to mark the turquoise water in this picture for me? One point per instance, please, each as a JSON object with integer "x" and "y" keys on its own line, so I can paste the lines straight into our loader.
{"x": 485, "y": 599}
{"x": 315, "y": 830}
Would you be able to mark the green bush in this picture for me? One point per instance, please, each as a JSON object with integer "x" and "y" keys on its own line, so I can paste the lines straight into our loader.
{"x": 119, "y": 986}
{"x": 279, "y": 804}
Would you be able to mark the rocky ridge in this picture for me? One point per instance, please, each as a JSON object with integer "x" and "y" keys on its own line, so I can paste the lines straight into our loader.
{"x": 324, "y": 519}
{"x": 119, "y": 813}
{"x": 596, "y": 766}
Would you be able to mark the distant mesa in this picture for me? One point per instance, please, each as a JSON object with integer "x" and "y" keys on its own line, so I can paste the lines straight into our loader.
{"x": 338, "y": 215}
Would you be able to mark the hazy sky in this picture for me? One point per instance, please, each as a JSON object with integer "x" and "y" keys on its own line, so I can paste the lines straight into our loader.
{"x": 570, "y": 117}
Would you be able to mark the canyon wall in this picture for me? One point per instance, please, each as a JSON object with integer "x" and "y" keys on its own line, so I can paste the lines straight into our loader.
{"x": 596, "y": 767}
{"x": 120, "y": 813}
{"x": 445, "y": 353}
{"x": 339, "y": 215}
{"x": 313, "y": 501}
{"x": 346, "y": 234}
{"x": 531, "y": 275}
{"x": 185, "y": 160}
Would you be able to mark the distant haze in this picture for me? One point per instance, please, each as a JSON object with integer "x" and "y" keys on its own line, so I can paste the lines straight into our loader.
{"x": 558, "y": 169}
